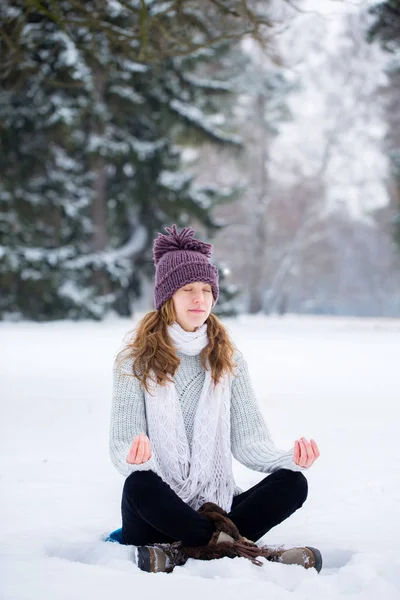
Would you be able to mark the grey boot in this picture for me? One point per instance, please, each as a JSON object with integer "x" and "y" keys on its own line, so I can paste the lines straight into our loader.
{"x": 307, "y": 556}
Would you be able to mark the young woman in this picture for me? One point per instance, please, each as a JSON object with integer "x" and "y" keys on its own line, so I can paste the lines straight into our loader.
{"x": 183, "y": 404}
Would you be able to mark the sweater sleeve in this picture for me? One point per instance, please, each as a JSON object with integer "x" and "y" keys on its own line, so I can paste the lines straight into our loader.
{"x": 128, "y": 419}
{"x": 251, "y": 441}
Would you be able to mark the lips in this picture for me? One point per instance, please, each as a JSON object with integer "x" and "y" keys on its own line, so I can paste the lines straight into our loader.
{"x": 196, "y": 311}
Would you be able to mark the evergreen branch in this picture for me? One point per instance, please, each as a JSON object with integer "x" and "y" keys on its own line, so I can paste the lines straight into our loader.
{"x": 192, "y": 48}
{"x": 62, "y": 84}
{"x": 215, "y": 85}
{"x": 194, "y": 120}
{"x": 56, "y": 6}
{"x": 164, "y": 12}
{"x": 6, "y": 38}
{"x": 41, "y": 8}
{"x": 96, "y": 22}
{"x": 12, "y": 41}
{"x": 6, "y": 67}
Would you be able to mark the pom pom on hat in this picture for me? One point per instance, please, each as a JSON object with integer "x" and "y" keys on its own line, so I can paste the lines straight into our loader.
{"x": 178, "y": 241}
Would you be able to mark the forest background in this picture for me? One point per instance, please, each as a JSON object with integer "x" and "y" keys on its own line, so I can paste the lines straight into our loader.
{"x": 272, "y": 128}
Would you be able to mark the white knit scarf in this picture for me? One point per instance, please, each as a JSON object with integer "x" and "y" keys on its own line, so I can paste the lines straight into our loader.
{"x": 205, "y": 473}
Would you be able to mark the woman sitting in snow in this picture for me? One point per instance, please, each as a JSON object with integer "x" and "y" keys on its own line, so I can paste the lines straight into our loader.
{"x": 183, "y": 404}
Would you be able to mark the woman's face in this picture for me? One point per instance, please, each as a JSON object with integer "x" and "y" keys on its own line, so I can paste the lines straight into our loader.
{"x": 193, "y": 303}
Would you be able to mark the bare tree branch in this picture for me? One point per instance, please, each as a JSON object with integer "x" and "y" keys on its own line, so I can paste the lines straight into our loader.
{"x": 148, "y": 35}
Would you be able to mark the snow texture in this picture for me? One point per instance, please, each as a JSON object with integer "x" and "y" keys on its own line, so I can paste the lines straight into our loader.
{"x": 331, "y": 379}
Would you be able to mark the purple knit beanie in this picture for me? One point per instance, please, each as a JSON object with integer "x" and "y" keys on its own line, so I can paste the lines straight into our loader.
{"x": 181, "y": 259}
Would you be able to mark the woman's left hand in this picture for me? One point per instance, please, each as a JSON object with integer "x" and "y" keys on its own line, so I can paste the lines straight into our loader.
{"x": 305, "y": 453}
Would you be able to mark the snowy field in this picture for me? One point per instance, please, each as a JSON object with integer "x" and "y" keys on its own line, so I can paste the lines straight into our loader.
{"x": 335, "y": 380}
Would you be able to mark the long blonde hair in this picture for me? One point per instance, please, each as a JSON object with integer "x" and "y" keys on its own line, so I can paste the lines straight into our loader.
{"x": 152, "y": 349}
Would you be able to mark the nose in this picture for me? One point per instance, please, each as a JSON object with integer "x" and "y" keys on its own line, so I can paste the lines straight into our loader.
{"x": 198, "y": 297}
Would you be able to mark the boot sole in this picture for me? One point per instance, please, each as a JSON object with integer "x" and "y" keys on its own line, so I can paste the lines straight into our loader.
{"x": 143, "y": 559}
{"x": 317, "y": 558}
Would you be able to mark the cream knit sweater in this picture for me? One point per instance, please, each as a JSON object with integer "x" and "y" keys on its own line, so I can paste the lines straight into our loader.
{"x": 251, "y": 442}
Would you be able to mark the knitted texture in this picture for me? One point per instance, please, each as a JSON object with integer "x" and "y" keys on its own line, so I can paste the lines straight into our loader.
{"x": 251, "y": 441}
{"x": 202, "y": 472}
{"x": 181, "y": 259}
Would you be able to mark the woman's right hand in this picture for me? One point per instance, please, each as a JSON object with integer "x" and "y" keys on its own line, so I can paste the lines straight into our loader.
{"x": 140, "y": 450}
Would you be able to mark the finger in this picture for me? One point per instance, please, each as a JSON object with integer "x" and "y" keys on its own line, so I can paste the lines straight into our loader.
{"x": 135, "y": 447}
{"x": 145, "y": 449}
{"x": 298, "y": 452}
{"x": 315, "y": 448}
{"x": 314, "y": 452}
{"x": 141, "y": 450}
{"x": 133, "y": 450}
{"x": 301, "y": 454}
{"x": 304, "y": 456}
{"x": 309, "y": 453}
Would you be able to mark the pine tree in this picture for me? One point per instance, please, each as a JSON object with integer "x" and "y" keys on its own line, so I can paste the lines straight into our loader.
{"x": 90, "y": 156}
{"x": 44, "y": 200}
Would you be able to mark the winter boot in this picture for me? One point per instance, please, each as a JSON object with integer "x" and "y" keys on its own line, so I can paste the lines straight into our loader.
{"x": 308, "y": 557}
{"x": 227, "y": 541}
{"x": 159, "y": 558}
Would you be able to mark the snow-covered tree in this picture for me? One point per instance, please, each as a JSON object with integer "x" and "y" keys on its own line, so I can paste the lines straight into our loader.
{"x": 44, "y": 188}
{"x": 91, "y": 165}
{"x": 260, "y": 109}
{"x": 316, "y": 239}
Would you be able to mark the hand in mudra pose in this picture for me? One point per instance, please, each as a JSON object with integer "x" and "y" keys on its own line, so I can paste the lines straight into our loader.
{"x": 140, "y": 450}
{"x": 305, "y": 453}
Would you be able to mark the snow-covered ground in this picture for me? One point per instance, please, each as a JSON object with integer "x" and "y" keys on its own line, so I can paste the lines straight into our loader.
{"x": 332, "y": 379}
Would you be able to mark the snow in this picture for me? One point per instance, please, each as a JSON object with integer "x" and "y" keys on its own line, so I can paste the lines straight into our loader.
{"x": 197, "y": 117}
{"x": 208, "y": 84}
{"x": 115, "y": 8}
{"x": 174, "y": 180}
{"x": 69, "y": 289}
{"x": 127, "y": 93}
{"x": 331, "y": 379}
{"x": 132, "y": 67}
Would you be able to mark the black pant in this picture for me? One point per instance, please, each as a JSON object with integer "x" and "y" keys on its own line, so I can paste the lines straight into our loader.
{"x": 152, "y": 512}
